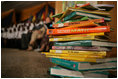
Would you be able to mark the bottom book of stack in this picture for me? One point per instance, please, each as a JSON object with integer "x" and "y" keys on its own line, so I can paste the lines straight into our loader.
{"x": 71, "y": 69}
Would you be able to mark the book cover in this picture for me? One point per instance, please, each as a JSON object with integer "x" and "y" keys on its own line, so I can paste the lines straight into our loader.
{"x": 81, "y": 48}
{"x": 78, "y": 30}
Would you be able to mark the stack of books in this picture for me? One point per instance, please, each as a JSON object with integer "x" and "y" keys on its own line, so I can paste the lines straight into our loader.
{"x": 81, "y": 41}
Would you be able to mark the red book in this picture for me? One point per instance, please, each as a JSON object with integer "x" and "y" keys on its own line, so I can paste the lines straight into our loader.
{"x": 64, "y": 31}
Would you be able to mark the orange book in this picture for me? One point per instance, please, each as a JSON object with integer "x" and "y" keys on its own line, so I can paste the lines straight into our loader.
{"x": 78, "y": 22}
{"x": 78, "y": 30}
{"x": 86, "y": 24}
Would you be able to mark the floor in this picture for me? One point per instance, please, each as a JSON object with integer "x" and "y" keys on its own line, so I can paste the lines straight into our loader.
{"x": 24, "y": 64}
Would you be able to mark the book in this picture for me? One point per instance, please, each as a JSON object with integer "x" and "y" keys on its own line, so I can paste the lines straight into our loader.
{"x": 78, "y": 30}
{"x": 107, "y": 7}
{"x": 76, "y": 52}
{"x": 86, "y": 43}
{"x": 107, "y": 63}
{"x": 59, "y": 71}
{"x": 104, "y": 7}
{"x": 86, "y": 24}
{"x": 72, "y": 55}
{"x": 73, "y": 20}
{"x": 97, "y": 12}
{"x": 77, "y": 22}
{"x": 80, "y": 48}
{"x": 78, "y": 14}
{"x": 76, "y": 35}
{"x": 82, "y": 37}
{"x": 88, "y": 6}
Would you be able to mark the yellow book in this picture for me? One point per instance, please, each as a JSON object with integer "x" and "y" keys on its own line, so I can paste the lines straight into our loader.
{"x": 82, "y": 37}
{"x": 78, "y": 35}
{"x": 74, "y": 55}
{"x": 92, "y": 54}
{"x": 79, "y": 52}
{"x": 75, "y": 59}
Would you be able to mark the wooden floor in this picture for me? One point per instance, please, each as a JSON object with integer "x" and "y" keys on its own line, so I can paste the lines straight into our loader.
{"x": 24, "y": 64}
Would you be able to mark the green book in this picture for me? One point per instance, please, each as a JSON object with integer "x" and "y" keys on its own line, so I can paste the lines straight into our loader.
{"x": 79, "y": 14}
{"x": 74, "y": 20}
{"x": 62, "y": 72}
{"x": 86, "y": 43}
{"x": 101, "y": 64}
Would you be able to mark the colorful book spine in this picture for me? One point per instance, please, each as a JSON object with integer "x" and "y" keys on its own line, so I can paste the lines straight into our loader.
{"x": 75, "y": 53}
{"x": 72, "y": 55}
{"x": 80, "y": 48}
{"x": 74, "y": 43}
{"x": 78, "y": 22}
{"x": 75, "y": 59}
{"x": 78, "y": 35}
{"x": 79, "y": 52}
{"x": 84, "y": 37}
{"x": 78, "y": 30}
{"x": 86, "y": 24}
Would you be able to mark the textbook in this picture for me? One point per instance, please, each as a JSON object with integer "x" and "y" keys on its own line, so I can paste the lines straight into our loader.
{"x": 82, "y": 37}
{"x": 78, "y": 14}
{"x": 86, "y": 43}
{"x": 73, "y": 55}
{"x": 78, "y": 30}
{"x": 59, "y": 71}
{"x": 107, "y": 63}
{"x": 80, "y": 48}
{"x": 77, "y": 22}
{"x": 77, "y": 35}
{"x": 76, "y": 52}
{"x": 86, "y": 24}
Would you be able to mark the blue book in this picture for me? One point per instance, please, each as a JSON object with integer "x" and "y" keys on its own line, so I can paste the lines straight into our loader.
{"x": 107, "y": 63}
{"x": 62, "y": 72}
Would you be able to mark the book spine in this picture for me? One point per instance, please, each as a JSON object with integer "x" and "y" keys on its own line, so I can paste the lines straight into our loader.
{"x": 74, "y": 43}
{"x": 78, "y": 30}
{"x": 65, "y": 63}
{"x": 86, "y": 24}
{"x": 80, "y": 48}
{"x": 78, "y": 22}
{"x": 78, "y": 35}
{"x": 78, "y": 52}
{"x": 73, "y": 55}
{"x": 75, "y": 59}
{"x": 84, "y": 37}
